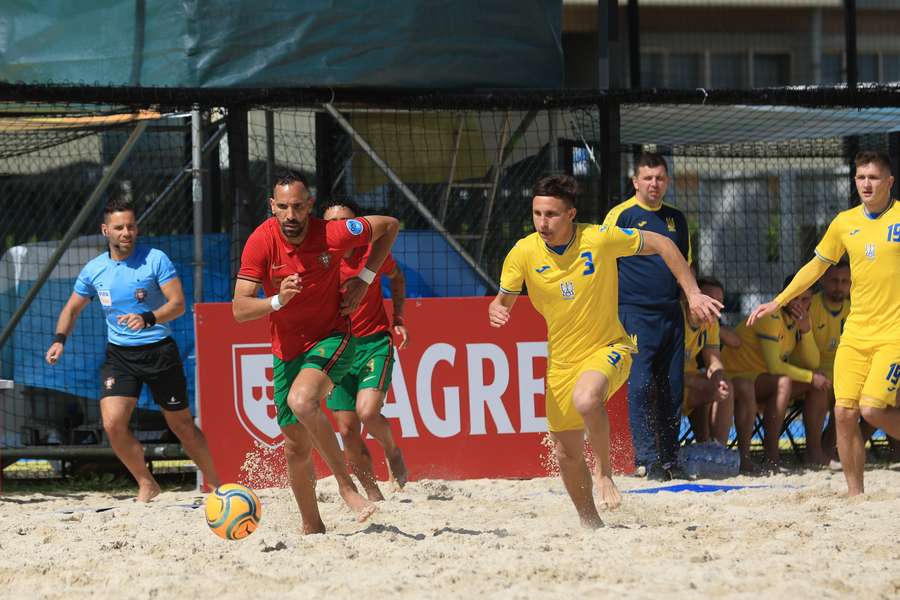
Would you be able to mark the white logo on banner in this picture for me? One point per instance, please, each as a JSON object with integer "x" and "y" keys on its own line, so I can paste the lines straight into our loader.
{"x": 254, "y": 392}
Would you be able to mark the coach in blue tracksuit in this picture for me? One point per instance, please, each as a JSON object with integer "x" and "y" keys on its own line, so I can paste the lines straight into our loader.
{"x": 140, "y": 292}
{"x": 650, "y": 311}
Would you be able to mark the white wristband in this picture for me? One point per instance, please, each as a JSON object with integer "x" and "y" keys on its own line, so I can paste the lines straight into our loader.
{"x": 367, "y": 275}
{"x": 276, "y": 303}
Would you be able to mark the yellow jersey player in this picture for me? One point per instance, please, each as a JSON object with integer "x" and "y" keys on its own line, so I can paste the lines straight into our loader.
{"x": 707, "y": 399}
{"x": 775, "y": 362}
{"x": 867, "y": 364}
{"x": 827, "y": 313}
{"x": 569, "y": 270}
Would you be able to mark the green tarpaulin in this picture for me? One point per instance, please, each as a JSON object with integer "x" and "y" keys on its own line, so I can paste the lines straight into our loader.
{"x": 459, "y": 44}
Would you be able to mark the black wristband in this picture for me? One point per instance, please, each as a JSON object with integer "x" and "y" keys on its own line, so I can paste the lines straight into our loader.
{"x": 149, "y": 318}
{"x": 60, "y": 338}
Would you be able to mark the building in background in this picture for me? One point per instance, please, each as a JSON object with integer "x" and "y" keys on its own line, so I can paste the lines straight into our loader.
{"x": 739, "y": 43}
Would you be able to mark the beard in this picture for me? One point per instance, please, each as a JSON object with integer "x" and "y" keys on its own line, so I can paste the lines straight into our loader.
{"x": 298, "y": 229}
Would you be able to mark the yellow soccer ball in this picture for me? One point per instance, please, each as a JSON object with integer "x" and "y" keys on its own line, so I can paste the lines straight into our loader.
{"x": 233, "y": 511}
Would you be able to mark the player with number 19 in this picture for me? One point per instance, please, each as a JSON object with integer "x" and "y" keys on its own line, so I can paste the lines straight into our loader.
{"x": 867, "y": 363}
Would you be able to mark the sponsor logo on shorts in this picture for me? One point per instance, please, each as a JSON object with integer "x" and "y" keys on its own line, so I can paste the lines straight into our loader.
{"x": 354, "y": 226}
{"x": 172, "y": 400}
{"x": 109, "y": 382}
{"x": 140, "y": 294}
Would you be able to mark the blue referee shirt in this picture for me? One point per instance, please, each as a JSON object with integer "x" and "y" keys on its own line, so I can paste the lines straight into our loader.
{"x": 128, "y": 286}
{"x": 645, "y": 281}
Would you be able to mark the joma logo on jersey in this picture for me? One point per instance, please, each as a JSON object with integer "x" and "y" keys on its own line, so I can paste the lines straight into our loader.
{"x": 543, "y": 268}
{"x": 870, "y": 251}
{"x": 642, "y": 223}
{"x": 568, "y": 289}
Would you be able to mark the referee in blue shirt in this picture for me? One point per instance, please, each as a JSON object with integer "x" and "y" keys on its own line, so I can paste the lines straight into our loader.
{"x": 650, "y": 311}
{"x": 139, "y": 291}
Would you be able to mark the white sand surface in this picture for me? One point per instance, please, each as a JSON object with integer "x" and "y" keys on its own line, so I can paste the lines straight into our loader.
{"x": 797, "y": 537}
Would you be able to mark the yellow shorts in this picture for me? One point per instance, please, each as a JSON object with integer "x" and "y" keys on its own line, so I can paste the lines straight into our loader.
{"x": 866, "y": 375}
{"x": 613, "y": 361}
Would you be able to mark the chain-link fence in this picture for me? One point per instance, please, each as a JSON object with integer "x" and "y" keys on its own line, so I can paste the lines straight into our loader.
{"x": 758, "y": 176}
{"x": 52, "y": 160}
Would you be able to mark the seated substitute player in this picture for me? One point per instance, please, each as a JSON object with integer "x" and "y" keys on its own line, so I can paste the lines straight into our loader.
{"x": 570, "y": 272}
{"x": 140, "y": 292}
{"x": 295, "y": 259}
{"x": 708, "y": 401}
{"x": 775, "y": 363}
{"x": 867, "y": 363}
{"x": 359, "y": 396}
{"x": 827, "y": 314}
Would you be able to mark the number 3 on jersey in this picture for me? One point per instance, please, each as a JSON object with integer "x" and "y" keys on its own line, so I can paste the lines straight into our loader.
{"x": 588, "y": 263}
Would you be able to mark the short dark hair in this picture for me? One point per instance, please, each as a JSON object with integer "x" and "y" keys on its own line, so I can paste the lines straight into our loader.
{"x": 343, "y": 203}
{"x": 287, "y": 177}
{"x": 709, "y": 281}
{"x": 564, "y": 187}
{"x": 868, "y": 157}
{"x": 651, "y": 160}
{"x": 841, "y": 264}
{"x": 118, "y": 204}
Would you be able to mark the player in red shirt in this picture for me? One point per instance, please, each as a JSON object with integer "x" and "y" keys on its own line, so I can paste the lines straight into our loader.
{"x": 359, "y": 396}
{"x": 295, "y": 259}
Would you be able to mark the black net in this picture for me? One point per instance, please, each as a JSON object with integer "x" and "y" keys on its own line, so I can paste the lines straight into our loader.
{"x": 759, "y": 175}
{"x": 52, "y": 159}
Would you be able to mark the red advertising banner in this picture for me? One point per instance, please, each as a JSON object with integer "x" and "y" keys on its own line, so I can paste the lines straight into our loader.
{"x": 467, "y": 400}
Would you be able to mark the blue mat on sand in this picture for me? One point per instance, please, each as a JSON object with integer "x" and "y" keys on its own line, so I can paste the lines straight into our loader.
{"x": 694, "y": 487}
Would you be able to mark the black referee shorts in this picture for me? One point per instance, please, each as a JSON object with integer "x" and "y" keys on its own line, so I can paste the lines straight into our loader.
{"x": 127, "y": 368}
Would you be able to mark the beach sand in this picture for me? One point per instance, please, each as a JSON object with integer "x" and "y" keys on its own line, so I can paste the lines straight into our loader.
{"x": 798, "y": 536}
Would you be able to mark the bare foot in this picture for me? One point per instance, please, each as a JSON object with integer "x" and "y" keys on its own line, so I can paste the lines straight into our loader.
{"x": 373, "y": 493}
{"x": 362, "y": 507}
{"x": 748, "y": 467}
{"x": 592, "y": 522}
{"x": 815, "y": 461}
{"x": 148, "y": 491}
{"x": 313, "y": 528}
{"x": 609, "y": 493}
{"x": 397, "y": 470}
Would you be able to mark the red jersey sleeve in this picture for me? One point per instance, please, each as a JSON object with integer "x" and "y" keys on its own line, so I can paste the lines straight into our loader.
{"x": 254, "y": 258}
{"x": 347, "y": 233}
{"x": 388, "y": 266}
